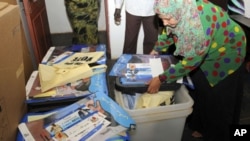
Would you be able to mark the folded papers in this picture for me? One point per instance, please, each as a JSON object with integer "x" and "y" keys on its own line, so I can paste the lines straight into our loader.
{"x": 69, "y": 69}
{"x": 51, "y": 76}
{"x": 78, "y": 88}
{"x": 154, "y": 100}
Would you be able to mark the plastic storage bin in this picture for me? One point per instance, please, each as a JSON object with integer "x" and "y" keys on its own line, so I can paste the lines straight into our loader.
{"x": 163, "y": 123}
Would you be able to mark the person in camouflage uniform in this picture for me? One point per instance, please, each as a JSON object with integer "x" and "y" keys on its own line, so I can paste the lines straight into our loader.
{"x": 83, "y": 17}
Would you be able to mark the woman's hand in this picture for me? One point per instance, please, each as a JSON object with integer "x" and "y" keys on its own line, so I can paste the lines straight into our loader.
{"x": 154, "y": 85}
{"x": 117, "y": 16}
{"x": 153, "y": 52}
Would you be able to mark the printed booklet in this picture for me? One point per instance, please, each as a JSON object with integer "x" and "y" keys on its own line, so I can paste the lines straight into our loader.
{"x": 75, "y": 89}
{"x": 56, "y": 54}
{"x": 38, "y": 101}
{"x": 133, "y": 71}
{"x": 83, "y": 120}
{"x": 137, "y": 73}
{"x": 76, "y": 122}
{"x": 67, "y": 67}
{"x": 138, "y": 69}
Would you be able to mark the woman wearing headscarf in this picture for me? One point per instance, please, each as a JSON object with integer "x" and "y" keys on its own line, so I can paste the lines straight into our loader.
{"x": 213, "y": 49}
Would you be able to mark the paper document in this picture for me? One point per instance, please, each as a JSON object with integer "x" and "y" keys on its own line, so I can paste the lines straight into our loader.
{"x": 156, "y": 66}
{"x": 247, "y": 8}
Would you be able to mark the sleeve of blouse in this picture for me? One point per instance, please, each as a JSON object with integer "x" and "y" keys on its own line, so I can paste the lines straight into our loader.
{"x": 182, "y": 68}
{"x": 163, "y": 43}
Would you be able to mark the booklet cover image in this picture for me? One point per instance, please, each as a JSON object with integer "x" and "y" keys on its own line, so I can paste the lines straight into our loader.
{"x": 137, "y": 72}
{"x": 78, "y": 121}
{"x": 136, "y": 69}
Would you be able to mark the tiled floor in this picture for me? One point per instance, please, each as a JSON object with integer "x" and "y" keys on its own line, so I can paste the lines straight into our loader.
{"x": 65, "y": 39}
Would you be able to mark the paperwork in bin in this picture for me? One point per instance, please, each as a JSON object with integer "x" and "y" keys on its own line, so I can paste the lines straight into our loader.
{"x": 133, "y": 71}
{"x": 139, "y": 68}
{"x": 146, "y": 100}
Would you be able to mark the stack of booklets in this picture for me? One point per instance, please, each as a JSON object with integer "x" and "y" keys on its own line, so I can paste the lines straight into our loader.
{"x": 65, "y": 76}
{"x": 139, "y": 68}
{"x": 68, "y": 100}
{"x": 88, "y": 119}
{"x": 133, "y": 71}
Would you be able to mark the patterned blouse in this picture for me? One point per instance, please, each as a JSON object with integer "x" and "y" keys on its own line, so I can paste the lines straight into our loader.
{"x": 224, "y": 46}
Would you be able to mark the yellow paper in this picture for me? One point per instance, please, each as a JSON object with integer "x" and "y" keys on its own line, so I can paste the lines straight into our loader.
{"x": 52, "y": 76}
{"x": 147, "y": 100}
{"x": 37, "y": 117}
{"x": 46, "y": 94}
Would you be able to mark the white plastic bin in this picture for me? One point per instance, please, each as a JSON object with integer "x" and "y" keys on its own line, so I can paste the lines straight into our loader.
{"x": 163, "y": 123}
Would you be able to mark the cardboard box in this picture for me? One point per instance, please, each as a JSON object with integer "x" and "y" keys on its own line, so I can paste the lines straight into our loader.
{"x": 27, "y": 62}
{"x": 12, "y": 84}
{"x": 10, "y": 1}
{"x": 28, "y": 66}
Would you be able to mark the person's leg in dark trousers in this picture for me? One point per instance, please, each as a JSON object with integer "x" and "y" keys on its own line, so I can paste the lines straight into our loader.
{"x": 133, "y": 24}
{"x": 216, "y": 108}
{"x": 150, "y": 28}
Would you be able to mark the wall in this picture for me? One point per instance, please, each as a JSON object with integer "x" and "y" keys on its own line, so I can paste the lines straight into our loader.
{"x": 58, "y": 21}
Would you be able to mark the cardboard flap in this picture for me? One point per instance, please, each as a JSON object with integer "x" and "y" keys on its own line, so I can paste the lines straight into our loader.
{"x": 3, "y": 5}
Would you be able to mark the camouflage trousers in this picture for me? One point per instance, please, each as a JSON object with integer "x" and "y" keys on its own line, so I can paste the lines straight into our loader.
{"x": 83, "y": 17}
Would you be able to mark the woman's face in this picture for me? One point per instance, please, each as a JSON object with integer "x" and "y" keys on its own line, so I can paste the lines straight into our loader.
{"x": 168, "y": 20}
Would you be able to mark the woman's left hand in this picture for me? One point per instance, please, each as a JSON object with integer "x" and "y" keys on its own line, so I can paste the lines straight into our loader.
{"x": 153, "y": 52}
{"x": 154, "y": 85}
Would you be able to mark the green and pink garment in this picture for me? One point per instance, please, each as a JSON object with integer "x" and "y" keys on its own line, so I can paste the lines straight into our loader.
{"x": 205, "y": 36}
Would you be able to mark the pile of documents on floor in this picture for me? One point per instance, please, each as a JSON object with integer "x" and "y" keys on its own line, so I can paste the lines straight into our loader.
{"x": 64, "y": 76}
{"x": 67, "y": 99}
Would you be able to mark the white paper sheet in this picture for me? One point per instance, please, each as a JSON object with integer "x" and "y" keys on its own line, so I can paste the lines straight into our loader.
{"x": 156, "y": 66}
{"x": 247, "y": 8}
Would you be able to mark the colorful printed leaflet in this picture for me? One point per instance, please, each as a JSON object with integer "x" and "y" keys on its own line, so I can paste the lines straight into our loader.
{"x": 74, "y": 89}
{"x": 137, "y": 73}
{"x": 78, "y": 121}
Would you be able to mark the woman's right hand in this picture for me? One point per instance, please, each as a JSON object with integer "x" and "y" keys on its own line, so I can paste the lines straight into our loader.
{"x": 117, "y": 16}
{"x": 154, "y": 85}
